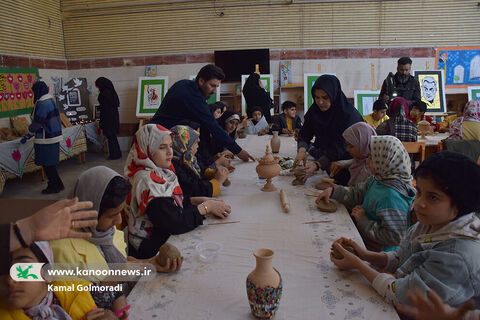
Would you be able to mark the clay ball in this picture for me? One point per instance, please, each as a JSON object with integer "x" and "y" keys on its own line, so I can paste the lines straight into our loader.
{"x": 226, "y": 183}
{"x": 338, "y": 255}
{"x": 167, "y": 251}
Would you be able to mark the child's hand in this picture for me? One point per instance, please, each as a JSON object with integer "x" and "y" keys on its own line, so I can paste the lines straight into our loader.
{"x": 359, "y": 251}
{"x": 94, "y": 314}
{"x": 349, "y": 260}
{"x": 221, "y": 174}
{"x": 358, "y": 213}
{"x": 335, "y": 168}
{"x": 432, "y": 308}
{"x": 324, "y": 195}
{"x": 223, "y": 161}
{"x": 285, "y": 131}
{"x": 301, "y": 157}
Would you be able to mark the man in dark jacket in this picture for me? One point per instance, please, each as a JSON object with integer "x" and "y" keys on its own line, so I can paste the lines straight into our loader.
{"x": 186, "y": 101}
{"x": 402, "y": 84}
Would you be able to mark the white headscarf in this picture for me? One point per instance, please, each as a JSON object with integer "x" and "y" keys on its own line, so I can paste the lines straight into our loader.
{"x": 390, "y": 159}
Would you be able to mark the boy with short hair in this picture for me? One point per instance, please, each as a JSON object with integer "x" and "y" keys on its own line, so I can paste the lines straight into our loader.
{"x": 288, "y": 121}
{"x": 378, "y": 115}
{"x": 417, "y": 113}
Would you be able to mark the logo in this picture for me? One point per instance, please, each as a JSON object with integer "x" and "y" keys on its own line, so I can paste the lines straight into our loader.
{"x": 26, "y": 272}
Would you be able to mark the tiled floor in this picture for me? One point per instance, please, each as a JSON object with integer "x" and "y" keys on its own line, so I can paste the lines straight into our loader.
{"x": 31, "y": 184}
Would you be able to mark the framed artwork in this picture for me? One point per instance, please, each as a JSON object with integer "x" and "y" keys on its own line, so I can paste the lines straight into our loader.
{"x": 214, "y": 97}
{"x": 432, "y": 89}
{"x": 16, "y": 95}
{"x": 285, "y": 73}
{"x": 473, "y": 93}
{"x": 151, "y": 91}
{"x": 72, "y": 100}
{"x": 267, "y": 80}
{"x": 150, "y": 71}
{"x": 461, "y": 65}
{"x": 364, "y": 100}
{"x": 308, "y": 81}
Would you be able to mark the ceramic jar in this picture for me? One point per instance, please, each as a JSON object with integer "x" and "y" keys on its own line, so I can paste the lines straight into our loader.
{"x": 268, "y": 168}
{"x": 275, "y": 142}
{"x": 264, "y": 286}
{"x": 424, "y": 128}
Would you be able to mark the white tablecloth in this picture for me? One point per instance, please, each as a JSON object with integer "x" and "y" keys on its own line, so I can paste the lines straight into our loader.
{"x": 433, "y": 139}
{"x": 313, "y": 287}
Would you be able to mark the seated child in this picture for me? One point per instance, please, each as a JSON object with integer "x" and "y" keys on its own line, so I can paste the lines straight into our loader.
{"x": 381, "y": 203}
{"x": 157, "y": 207}
{"x": 398, "y": 125}
{"x": 33, "y": 300}
{"x": 217, "y": 108}
{"x": 378, "y": 115}
{"x": 357, "y": 137}
{"x": 288, "y": 121}
{"x": 257, "y": 124}
{"x": 467, "y": 127}
{"x": 185, "y": 145}
{"x": 417, "y": 113}
{"x": 441, "y": 252}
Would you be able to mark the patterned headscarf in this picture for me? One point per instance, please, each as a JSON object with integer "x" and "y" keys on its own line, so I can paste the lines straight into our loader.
{"x": 470, "y": 113}
{"x": 183, "y": 139}
{"x": 390, "y": 159}
{"x": 149, "y": 181}
{"x": 46, "y": 309}
{"x": 359, "y": 135}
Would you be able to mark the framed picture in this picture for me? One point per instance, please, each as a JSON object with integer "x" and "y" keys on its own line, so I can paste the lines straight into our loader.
{"x": 432, "y": 89}
{"x": 151, "y": 91}
{"x": 364, "y": 100}
{"x": 473, "y": 93}
{"x": 461, "y": 65}
{"x": 72, "y": 99}
{"x": 214, "y": 97}
{"x": 16, "y": 95}
{"x": 308, "y": 81}
{"x": 267, "y": 80}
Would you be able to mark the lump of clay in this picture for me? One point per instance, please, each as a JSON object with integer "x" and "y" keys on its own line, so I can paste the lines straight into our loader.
{"x": 300, "y": 174}
{"x": 226, "y": 183}
{"x": 167, "y": 251}
{"x": 322, "y": 185}
{"x": 338, "y": 255}
{"x": 324, "y": 206}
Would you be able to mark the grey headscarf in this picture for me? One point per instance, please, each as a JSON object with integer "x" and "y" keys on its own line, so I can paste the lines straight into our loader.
{"x": 91, "y": 186}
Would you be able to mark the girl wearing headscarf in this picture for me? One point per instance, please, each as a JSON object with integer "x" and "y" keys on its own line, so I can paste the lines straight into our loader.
{"x": 47, "y": 128}
{"x": 185, "y": 145}
{"x": 33, "y": 300}
{"x": 398, "y": 125}
{"x": 109, "y": 117}
{"x": 157, "y": 207}
{"x": 326, "y": 119}
{"x": 256, "y": 96}
{"x": 381, "y": 203}
{"x": 468, "y": 126}
{"x": 357, "y": 138}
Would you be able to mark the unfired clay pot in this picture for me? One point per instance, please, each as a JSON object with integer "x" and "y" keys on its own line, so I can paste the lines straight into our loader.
{"x": 268, "y": 168}
{"x": 424, "y": 128}
{"x": 275, "y": 142}
{"x": 264, "y": 286}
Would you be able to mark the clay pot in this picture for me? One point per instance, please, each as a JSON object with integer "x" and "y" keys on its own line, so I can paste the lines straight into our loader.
{"x": 268, "y": 168}
{"x": 424, "y": 128}
{"x": 264, "y": 286}
{"x": 167, "y": 251}
{"x": 275, "y": 142}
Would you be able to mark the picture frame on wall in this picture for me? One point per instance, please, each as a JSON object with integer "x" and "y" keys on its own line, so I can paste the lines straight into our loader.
{"x": 214, "y": 97}
{"x": 267, "y": 80}
{"x": 308, "y": 81}
{"x": 432, "y": 89}
{"x": 364, "y": 100}
{"x": 473, "y": 93}
{"x": 151, "y": 91}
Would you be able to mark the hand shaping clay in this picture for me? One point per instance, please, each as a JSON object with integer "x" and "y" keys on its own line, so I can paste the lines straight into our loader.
{"x": 338, "y": 255}
{"x": 167, "y": 251}
{"x": 322, "y": 185}
{"x": 324, "y": 206}
{"x": 300, "y": 174}
{"x": 328, "y": 180}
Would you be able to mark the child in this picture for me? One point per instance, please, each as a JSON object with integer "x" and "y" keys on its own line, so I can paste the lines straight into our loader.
{"x": 157, "y": 207}
{"x": 33, "y": 300}
{"x": 467, "y": 127}
{"x": 381, "y": 203}
{"x": 288, "y": 121}
{"x": 398, "y": 125}
{"x": 378, "y": 115}
{"x": 357, "y": 137}
{"x": 189, "y": 174}
{"x": 417, "y": 113}
{"x": 257, "y": 124}
{"x": 217, "y": 108}
{"x": 441, "y": 252}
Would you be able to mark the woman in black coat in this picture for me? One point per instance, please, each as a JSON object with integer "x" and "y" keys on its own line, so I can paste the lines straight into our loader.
{"x": 109, "y": 117}
{"x": 256, "y": 96}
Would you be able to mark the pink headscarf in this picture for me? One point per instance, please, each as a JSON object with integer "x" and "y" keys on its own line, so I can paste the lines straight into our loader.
{"x": 359, "y": 135}
{"x": 470, "y": 113}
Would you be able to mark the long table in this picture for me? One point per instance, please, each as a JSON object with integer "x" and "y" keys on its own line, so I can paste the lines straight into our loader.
{"x": 313, "y": 288}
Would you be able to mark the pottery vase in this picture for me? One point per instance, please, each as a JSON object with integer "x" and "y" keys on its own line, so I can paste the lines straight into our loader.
{"x": 264, "y": 286}
{"x": 268, "y": 168}
{"x": 275, "y": 142}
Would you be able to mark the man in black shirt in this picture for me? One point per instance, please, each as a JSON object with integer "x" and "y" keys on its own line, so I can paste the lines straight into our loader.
{"x": 402, "y": 84}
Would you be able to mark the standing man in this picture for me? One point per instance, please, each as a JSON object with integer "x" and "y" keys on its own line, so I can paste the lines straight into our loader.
{"x": 186, "y": 100}
{"x": 402, "y": 84}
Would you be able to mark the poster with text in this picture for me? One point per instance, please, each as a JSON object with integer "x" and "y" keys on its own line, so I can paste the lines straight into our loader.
{"x": 16, "y": 95}
{"x": 73, "y": 100}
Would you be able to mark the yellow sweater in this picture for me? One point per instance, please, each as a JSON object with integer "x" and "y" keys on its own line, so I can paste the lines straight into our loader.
{"x": 369, "y": 119}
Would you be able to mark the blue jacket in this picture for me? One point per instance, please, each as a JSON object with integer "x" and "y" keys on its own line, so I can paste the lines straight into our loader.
{"x": 46, "y": 124}
{"x": 185, "y": 102}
